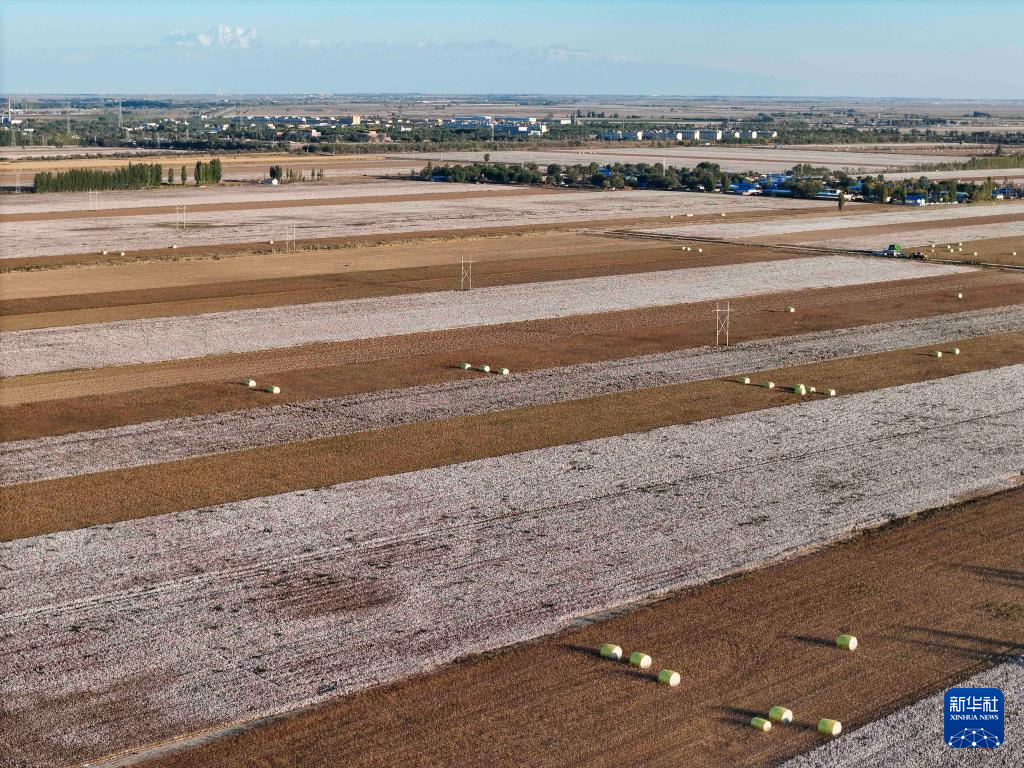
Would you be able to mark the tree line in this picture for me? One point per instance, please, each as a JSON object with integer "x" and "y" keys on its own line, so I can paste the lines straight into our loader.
{"x": 208, "y": 173}
{"x": 705, "y": 177}
{"x": 133, "y": 176}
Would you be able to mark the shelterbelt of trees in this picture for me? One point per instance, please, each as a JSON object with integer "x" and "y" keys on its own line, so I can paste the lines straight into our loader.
{"x": 702, "y": 178}
{"x": 132, "y": 176}
{"x": 805, "y": 181}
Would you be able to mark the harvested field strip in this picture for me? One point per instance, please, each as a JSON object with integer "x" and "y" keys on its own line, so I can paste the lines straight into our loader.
{"x": 912, "y": 737}
{"x": 257, "y": 205}
{"x": 924, "y": 237}
{"x": 130, "y": 342}
{"x": 554, "y": 697}
{"x": 62, "y": 237}
{"x": 153, "y": 442}
{"x": 230, "y": 193}
{"x": 88, "y": 500}
{"x": 49, "y": 404}
{"x": 240, "y": 606}
{"x": 878, "y": 217}
{"x": 213, "y": 251}
{"x": 938, "y": 229}
{"x": 47, "y": 312}
{"x": 548, "y": 703}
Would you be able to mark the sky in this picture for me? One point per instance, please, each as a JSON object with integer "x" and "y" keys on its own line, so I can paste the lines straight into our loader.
{"x": 861, "y": 48}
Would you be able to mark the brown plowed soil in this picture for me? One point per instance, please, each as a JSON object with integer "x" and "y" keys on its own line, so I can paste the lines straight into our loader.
{"x": 49, "y": 311}
{"x": 57, "y": 403}
{"x": 235, "y": 249}
{"x": 256, "y": 205}
{"x": 931, "y": 601}
{"x": 76, "y": 502}
{"x": 993, "y": 250}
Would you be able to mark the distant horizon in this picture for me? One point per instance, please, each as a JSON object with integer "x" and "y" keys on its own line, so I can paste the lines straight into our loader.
{"x": 869, "y": 49}
{"x": 484, "y": 95}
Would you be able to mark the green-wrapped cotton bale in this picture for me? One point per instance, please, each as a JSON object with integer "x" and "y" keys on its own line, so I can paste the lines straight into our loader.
{"x": 761, "y": 724}
{"x": 829, "y": 727}
{"x": 639, "y": 660}
{"x": 847, "y": 642}
{"x": 780, "y": 715}
{"x": 465, "y": 366}
{"x": 611, "y": 651}
{"x": 669, "y": 678}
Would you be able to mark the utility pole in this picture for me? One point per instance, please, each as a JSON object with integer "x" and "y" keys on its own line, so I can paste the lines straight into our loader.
{"x": 466, "y": 276}
{"x": 10, "y": 119}
{"x": 722, "y": 323}
{"x": 120, "y": 117}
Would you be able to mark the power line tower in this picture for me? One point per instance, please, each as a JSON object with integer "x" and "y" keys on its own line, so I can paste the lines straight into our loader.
{"x": 722, "y": 317}
{"x": 466, "y": 276}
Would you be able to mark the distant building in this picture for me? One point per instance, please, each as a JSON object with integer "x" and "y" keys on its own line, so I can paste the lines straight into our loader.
{"x": 622, "y": 136}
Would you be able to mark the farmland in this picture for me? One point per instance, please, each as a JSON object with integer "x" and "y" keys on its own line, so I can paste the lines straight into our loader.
{"x": 202, "y": 571}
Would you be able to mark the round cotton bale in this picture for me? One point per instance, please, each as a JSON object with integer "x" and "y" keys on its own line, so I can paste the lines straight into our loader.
{"x": 271, "y": 242}
{"x": 780, "y": 715}
{"x": 274, "y": 390}
{"x": 174, "y": 247}
{"x": 829, "y": 727}
{"x": 700, "y": 250}
{"x": 502, "y": 371}
{"x": 761, "y": 724}
{"x": 105, "y": 253}
{"x": 484, "y": 369}
{"x": 937, "y": 353}
{"x": 672, "y": 216}
{"x": 847, "y": 642}
{"x": 1014, "y": 253}
{"x": 955, "y": 351}
{"x": 122, "y": 253}
{"x": 812, "y": 390}
{"x": 959, "y": 295}
{"x": 669, "y": 678}
{"x": 639, "y": 660}
{"x": 791, "y": 310}
{"x": 959, "y": 245}
{"x": 743, "y": 379}
{"x": 974, "y": 253}
{"x": 723, "y": 215}
{"x": 465, "y": 366}
{"x": 689, "y": 215}
{"x": 250, "y": 383}
{"x": 959, "y": 250}
{"x": 829, "y": 392}
{"x": 611, "y": 651}
{"x": 769, "y": 385}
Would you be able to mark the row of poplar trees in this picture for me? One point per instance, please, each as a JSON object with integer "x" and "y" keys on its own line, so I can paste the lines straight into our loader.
{"x": 134, "y": 176}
